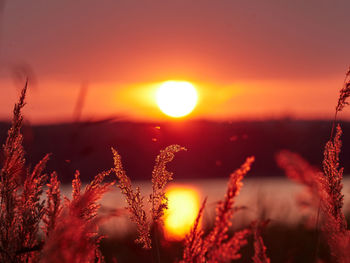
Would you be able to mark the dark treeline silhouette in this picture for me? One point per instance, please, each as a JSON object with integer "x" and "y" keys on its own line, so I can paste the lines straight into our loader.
{"x": 214, "y": 149}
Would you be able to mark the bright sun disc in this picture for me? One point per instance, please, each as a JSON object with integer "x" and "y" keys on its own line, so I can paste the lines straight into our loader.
{"x": 176, "y": 98}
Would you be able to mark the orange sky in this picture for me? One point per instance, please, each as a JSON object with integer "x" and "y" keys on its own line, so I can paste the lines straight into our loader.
{"x": 262, "y": 59}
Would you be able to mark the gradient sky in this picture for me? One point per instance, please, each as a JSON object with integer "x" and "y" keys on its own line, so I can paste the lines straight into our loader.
{"x": 249, "y": 59}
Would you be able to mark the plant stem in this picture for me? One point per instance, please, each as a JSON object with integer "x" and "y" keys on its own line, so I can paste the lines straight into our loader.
{"x": 156, "y": 243}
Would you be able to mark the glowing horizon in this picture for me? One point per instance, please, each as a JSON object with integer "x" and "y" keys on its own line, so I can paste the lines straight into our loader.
{"x": 218, "y": 102}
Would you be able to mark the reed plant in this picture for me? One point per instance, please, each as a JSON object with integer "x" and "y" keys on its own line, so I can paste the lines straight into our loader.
{"x": 39, "y": 228}
{"x": 325, "y": 186}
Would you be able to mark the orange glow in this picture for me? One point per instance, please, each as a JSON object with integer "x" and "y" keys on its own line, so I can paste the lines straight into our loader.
{"x": 182, "y": 211}
{"x": 248, "y": 100}
{"x": 176, "y": 98}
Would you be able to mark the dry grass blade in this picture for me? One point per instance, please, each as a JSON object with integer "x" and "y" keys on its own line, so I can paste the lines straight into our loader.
{"x": 10, "y": 178}
{"x": 53, "y": 205}
{"x": 160, "y": 177}
{"x": 333, "y": 173}
{"x": 30, "y": 208}
{"x": 84, "y": 205}
{"x": 342, "y": 100}
{"x": 344, "y": 93}
{"x": 73, "y": 240}
{"x": 194, "y": 240}
{"x": 326, "y": 191}
{"x": 299, "y": 170}
{"x": 229, "y": 250}
{"x": 335, "y": 227}
{"x": 259, "y": 246}
{"x": 21, "y": 206}
{"x": 76, "y": 185}
{"x": 12, "y": 149}
{"x": 216, "y": 246}
{"x": 158, "y": 200}
{"x": 96, "y": 189}
{"x": 74, "y": 236}
{"x": 224, "y": 210}
{"x": 135, "y": 202}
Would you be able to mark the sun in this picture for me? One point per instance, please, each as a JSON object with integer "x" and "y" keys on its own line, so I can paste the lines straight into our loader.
{"x": 176, "y": 98}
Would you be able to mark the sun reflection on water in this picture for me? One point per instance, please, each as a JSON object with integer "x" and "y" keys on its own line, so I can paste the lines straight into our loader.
{"x": 182, "y": 210}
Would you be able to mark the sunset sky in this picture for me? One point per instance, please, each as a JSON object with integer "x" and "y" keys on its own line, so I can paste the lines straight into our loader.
{"x": 247, "y": 59}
